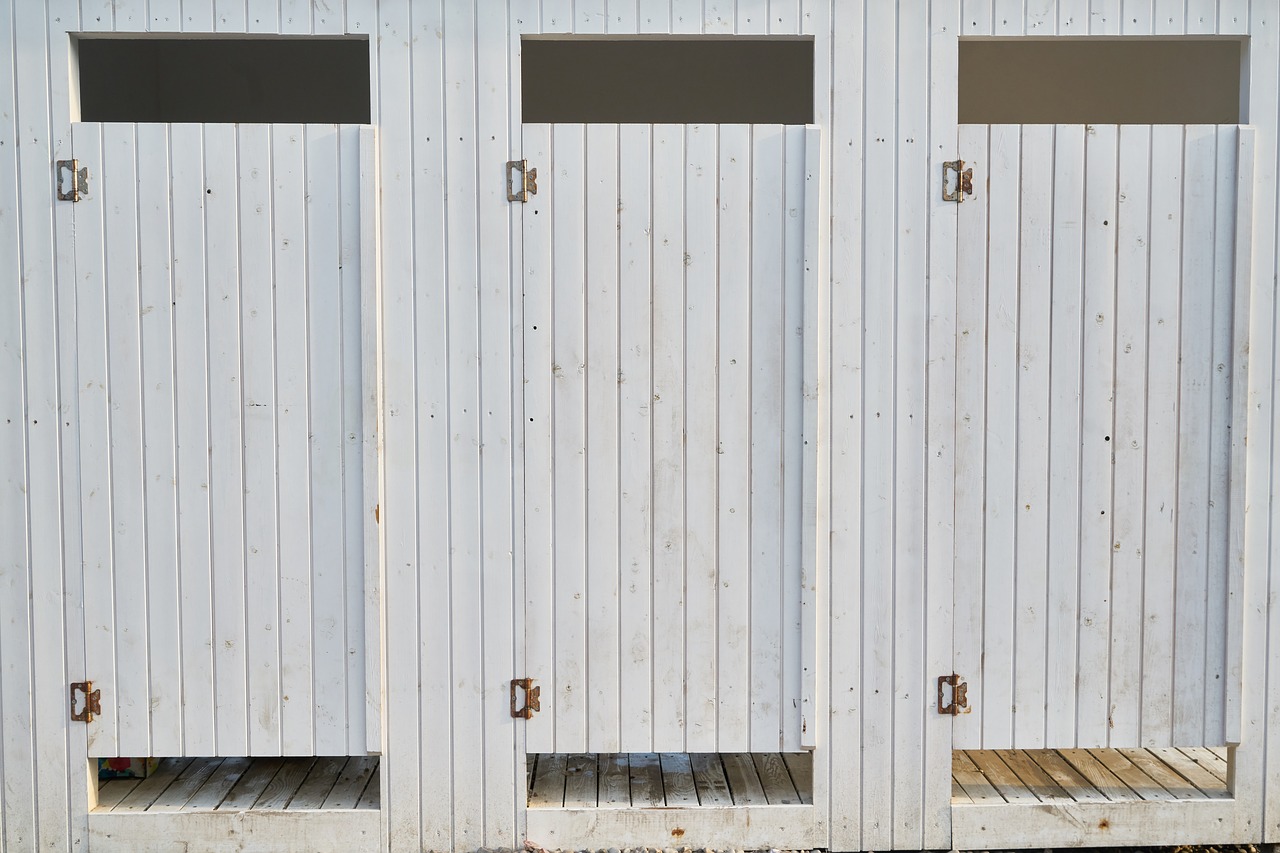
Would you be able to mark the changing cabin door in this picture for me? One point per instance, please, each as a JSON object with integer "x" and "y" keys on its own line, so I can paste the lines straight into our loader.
{"x": 221, "y": 440}
{"x": 1101, "y": 316}
{"x": 663, "y": 348}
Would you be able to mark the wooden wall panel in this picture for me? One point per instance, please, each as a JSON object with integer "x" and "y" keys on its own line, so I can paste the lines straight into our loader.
{"x": 590, "y": 310}
{"x": 218, "y": 354}
{"x": 42, "y": 643}
{"x": 1121, "y": 533}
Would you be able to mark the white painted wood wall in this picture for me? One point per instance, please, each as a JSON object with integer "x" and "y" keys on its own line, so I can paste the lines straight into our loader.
{"x": 1094, "y": 501}
{"x": 446, "y": 100}
{"x": 218, "y": 337}
{"x": 663, "y": 398}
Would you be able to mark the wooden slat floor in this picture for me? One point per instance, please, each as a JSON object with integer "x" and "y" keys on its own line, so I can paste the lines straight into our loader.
{"x": 241, "y": 784}
{"x": 669, "y": 780}
{"x": 1087, "y": 775}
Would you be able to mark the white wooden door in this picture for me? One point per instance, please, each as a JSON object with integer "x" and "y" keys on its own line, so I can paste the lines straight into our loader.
{"x": 221, "y": 440}
{"x": 1099, "y": 390}
{"x": 663, "y": 349}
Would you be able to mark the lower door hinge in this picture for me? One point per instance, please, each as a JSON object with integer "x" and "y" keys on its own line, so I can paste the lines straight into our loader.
{"x": 91, "y": 705}
{"x": 963, "y": 181}
{"x": 527, "y": 184}
{"x": 531, "y": 695}
{"x": 959, "y": 703}
{"x": 73, "y": 180}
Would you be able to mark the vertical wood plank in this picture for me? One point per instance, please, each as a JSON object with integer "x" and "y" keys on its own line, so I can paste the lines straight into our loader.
{"x": 878, "y": 511}
{"x": 31, "y": 573}
{"x": 226, "y": 440}
{"x": 1031, "y": 503}
{"x": 429, "y": 400}
{"x": 969, "y": 628}
{"x": 406, "y": 569}
{"x": 324, "y": 324}
{"x": 94, "y": 451}
{"x": 1064, "y": 429}
{"x": 290, "y": 248}
{"x": 258, "y": 386}
{"x": 374, "y": 428}
{"x": 791, "y": 398}
{"x": 812, "y": 434}
{"x": 848, "y": 52}
{"x": 1130, "y": 440}
{"x": 465, "y": 674}
{"x": 767, "y": 424}
{"x": 907, "y": 413}
{"x": 350, "y": 453}
{"x": 602, "y": 466}
{"x": 1194, "y": 437}
{"x": 124, "y": 383}
{"x": 191, "y": 390}
{"x": 1096, "y": 440}
{"x": 568, "y": 358}
{"x": 1164, "y": 318}
{"x": 498, "y": 320}
{"x": 1219, "y": 611}
{"x": 944, "y": 19}
{"x": 159, "y": 450}
{"x": 669, "y": 471}
{"x": 539, "y": 508}
{"x": 1001, "y": 435}
{"x": 701, "y": 181}
{"x": 635, "y": 405}
{"x": 1243, "y": 301}
{"x": 734, "y": 440}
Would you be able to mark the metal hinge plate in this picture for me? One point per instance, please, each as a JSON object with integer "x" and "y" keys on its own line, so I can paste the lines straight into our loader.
{"x": 526, "y": 185}
{"x": 959, "y": 703}
{"x": 91, "y": 705}
{"x": 73, "y": 180}
{"x": 963, "y": 182}
{"x": 531, "y": 698}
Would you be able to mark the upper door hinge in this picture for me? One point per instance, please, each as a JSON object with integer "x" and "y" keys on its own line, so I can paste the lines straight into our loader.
{"x": 959, "y": 703}
{"x": 73, "y": 180}
{"x": 531, "y": 698}
{"x": 92, "y": 701}
{"x": 962, "y": 184}
{"x": 527, "y": 184}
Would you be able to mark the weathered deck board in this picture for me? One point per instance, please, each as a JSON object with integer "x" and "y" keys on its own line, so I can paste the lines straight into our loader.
{"x": 670, "y": 780}
{"x": 1095, "y": 775}
{"x": 646, "y": 781}
{"x": 708, "y": 776}
{"x": 239, "y": 784}
{"x": 351, "y": 783}
{"x": 615, "y": 779}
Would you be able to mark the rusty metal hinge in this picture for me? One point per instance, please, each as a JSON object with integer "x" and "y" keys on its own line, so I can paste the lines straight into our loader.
{"x": 963, "y": 181}
{"x": 528, "y": 184}
{"x": 959, "y": 703}
{"x": 73, "y": 180}
{"x": 531, "y": 695}
{"x": 92, "y": 701}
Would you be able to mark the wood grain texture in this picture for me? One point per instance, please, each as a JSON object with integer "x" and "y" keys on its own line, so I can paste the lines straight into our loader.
{"x": 228, "y": 439}
{"x": 651, "y": 431}
{"x": 1095, "y": 559}
{"x": 42, "y": 319}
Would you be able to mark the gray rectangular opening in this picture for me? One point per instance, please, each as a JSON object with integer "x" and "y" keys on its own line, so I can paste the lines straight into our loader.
{"x": 1101, "y": 81}
{"x": 262, "y": 80}
{"x": 647, "y": 80}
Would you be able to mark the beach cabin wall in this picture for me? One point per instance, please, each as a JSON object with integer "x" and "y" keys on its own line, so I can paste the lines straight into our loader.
{"x": 443, "y": 600}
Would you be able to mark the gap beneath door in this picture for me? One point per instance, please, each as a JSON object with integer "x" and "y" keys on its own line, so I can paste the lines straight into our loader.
{"x": 992, "y": 776}
{"x": 669, "y": 780}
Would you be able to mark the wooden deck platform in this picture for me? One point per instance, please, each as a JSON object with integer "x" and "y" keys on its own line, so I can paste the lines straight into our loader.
{"x": 246, "y": 784}
{"x": 669, "y": 780}
{"x": 985, "y": 777}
